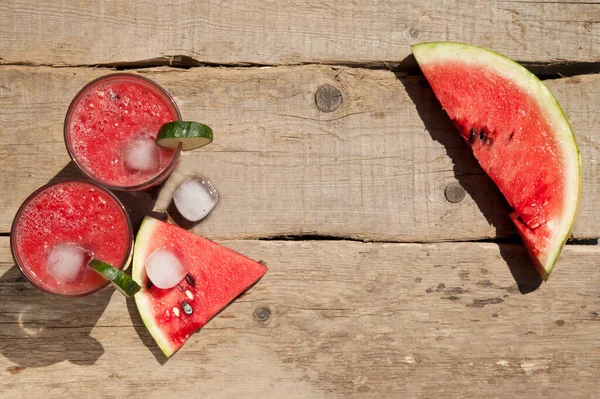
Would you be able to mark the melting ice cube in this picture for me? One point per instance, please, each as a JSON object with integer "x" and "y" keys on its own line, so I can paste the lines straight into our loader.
{"x": 67, "y": 262}
{"x": 141, "y": 154}
{"x": 164, "y": 268}
{"x": 195, "y": 198}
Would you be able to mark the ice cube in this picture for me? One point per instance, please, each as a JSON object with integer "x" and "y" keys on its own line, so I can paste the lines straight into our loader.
{"x": 164, "y": 268}
{"x": 195, "y": 198}
{"x": 141, "y": 155}
{"x": 67, "y": 262}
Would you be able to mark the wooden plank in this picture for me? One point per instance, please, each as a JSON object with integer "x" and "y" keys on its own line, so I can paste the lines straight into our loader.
{"x": 376, "y": 168}
{"x": 346, "y": 319}
{"x": 287, "y": 31}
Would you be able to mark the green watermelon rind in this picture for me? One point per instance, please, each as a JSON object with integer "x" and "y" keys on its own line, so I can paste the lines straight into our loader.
{"x": 434, "y": 52}
{"x": 142, "y": 300}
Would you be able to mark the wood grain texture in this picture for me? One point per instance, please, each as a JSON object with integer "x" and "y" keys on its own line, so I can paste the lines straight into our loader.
{"x": 288, "y": 31}
{"x": 376, "y": 168}
{"x": 346, "y": 320}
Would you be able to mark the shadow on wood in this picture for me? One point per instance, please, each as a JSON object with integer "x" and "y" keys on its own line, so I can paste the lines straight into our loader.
{"x": 140, "y": 204}
{"x": 473, "y": 179}
{"x": 521, "y": 267}
{"x": 69, "y": 172}
{"x": 39, "y": 329}
{"x": 467, "y": 171}
{"x": 143, "y": 333}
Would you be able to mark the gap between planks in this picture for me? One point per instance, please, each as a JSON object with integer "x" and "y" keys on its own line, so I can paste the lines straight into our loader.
{"x": 408, "y": 66}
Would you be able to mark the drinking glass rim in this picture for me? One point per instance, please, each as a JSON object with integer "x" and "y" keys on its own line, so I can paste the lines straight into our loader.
{"x": 33, "y": 195}
{"x": 66, "y": 129}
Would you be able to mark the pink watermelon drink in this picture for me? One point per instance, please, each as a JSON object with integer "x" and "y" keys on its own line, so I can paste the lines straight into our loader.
{"x": 111, "y": 128}
{"x": 60, "y": 227}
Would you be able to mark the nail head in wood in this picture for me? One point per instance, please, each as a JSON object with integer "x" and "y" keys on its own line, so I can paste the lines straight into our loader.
{"x": 454, "y": 193}
{"x": 262, "y": 314}
{"x": 328, "y": 98}
{"x": 414, "y": 32}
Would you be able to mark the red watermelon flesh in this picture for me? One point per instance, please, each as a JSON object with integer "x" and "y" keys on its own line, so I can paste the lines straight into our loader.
{"x": 519, "y": 136}
{"x": 217, "y": 275}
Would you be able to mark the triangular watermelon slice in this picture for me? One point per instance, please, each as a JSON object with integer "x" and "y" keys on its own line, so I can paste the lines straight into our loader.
{"x": 519, "y": 135}
{"x": 217, "y": 275}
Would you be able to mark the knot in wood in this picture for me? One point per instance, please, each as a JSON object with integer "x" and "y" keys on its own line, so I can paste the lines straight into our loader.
{"x": 328, "y": 98}
{"x": 262, "y": 314}
{"x": 454, "y": 193}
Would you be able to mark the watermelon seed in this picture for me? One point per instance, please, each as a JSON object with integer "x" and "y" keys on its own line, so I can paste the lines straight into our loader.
{"x": 481, "y": 135}
{"x": 511, "y": 135}
{"x": 187, "y": 309}
{"x": 471, "y": 136}
{"x": 189, "y": 294}
{"x": 148, "y": 284}
{"x": 488, "y": 141}
{"x": 190, "y": 280}
{"x": 176, "y": 311}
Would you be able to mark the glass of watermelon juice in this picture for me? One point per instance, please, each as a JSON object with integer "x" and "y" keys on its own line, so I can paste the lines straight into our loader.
{"x": 110, "y": 131}
{"x": 60, "y": 227}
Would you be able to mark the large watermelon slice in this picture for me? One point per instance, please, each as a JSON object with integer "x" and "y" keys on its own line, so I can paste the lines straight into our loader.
{"x": 217, "y": 275}
{"x": 519, "y": 135}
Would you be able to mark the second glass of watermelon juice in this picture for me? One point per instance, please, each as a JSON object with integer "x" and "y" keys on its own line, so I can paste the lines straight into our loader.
{"x": 111, "y": 127}
{"x": 60, "y": 227}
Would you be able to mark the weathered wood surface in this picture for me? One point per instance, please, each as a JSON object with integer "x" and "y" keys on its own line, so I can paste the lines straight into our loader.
{"x": 379, "y": 161}
{"x": 346, "y": 320}
{"x": 376, "y": 168}
{"x": 288, "y": 31}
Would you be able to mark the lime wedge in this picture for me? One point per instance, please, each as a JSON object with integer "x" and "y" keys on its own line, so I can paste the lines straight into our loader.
{"x": 117, "y": 278}
{"x": 191, "y": 135}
